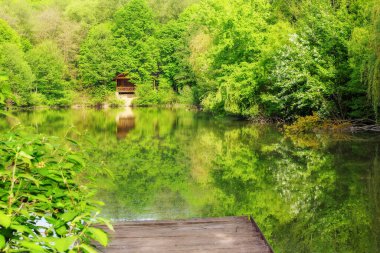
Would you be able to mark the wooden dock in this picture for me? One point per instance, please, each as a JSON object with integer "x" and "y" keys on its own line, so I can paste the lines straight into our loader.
{"x": 231, "y": 234}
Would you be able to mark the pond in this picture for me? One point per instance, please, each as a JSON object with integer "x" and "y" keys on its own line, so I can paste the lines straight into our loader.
{"x": 311, "y": 193}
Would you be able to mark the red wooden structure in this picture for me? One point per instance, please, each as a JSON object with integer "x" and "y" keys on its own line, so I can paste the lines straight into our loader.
{"x": 124, "y": 85}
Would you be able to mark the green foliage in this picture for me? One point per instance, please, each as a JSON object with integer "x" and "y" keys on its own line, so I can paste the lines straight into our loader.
{"x": 5, "y": 91}
{"x": 280, "y": 59}
{"x": 47, "y": 63}
{"x": 99, "y": 95}
{"x": 237, "y": 92}
{"x": 18, "y": 72}
{"x": 43, "y": 207}
{"x": 308, "y": 192}
{"x": 83, "y": 11}
{"x": 365, "y": 55}
{"x": 134, "y": 28}
{"x": 114, "y": 101}
{"x": 186, "y": 96}
{"x": 172, "y": 48}
{"x": 99, "y": 58}
{"x": 166, "y": 10}
{"x": 7, "y": 34}
{"x": 300, "y": 81}
{"x": 16, "y": 75}
{"x": 135, "y": 21}
{"x": 36, "y": 99}
{"x": 146, "y": 95}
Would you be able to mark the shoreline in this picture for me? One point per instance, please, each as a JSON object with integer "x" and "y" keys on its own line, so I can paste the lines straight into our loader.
{"x": 307, "y": 124}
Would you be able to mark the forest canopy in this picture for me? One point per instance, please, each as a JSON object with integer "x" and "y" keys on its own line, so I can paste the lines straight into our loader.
{"x": 250, "y": 58}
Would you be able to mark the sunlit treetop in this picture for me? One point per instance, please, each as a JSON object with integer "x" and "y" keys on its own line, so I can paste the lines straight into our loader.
{"x": 7, "y": 34}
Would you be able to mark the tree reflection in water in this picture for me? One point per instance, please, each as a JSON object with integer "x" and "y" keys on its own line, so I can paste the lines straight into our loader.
{"x": 313, "y": 193}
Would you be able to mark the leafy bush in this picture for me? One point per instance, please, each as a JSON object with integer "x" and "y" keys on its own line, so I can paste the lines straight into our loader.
{"x": 99, "y": 95}
{"x": 5, "y": 91}
{"x": 114, "y": 101}
{"x": 36, "y": 99}
{"x": 166, "y": 95}
{"x": 186, "y": 96}
{"x": 146, "y": 95}
{"x": 304, "y": 124}
{"x": 314, "y": 123}
{"x": 299, "y": 81}
{"x": 18, "y": 72}
{"x": 43, "y": 208}
{"x": 48, "y": 65}
{"x": 65, "y": 101}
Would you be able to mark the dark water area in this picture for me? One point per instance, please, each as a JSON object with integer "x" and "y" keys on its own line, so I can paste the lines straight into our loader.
{"x": 310, "y": 193}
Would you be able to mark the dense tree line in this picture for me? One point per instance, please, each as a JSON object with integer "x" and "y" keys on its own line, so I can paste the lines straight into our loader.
{"x": 267, "y": 58}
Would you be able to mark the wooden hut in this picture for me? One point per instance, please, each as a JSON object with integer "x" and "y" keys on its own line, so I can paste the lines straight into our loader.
{"x": 124, "y": 85}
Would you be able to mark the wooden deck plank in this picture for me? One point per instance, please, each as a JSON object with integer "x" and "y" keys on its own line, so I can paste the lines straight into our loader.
{"x": 229, "y": 234}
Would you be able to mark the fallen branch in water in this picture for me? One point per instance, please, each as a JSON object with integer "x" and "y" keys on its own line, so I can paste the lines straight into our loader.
{"x": 314, "y": 123}
{"x": 365, "y": 128}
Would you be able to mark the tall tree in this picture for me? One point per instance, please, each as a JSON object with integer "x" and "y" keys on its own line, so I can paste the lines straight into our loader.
{"x": 46, "y": 61}
{"x": 99, "y": 60}
{"x": 16, "y": 75}
{"x": 134, "y": 30}
{"x": 373, "y": 75}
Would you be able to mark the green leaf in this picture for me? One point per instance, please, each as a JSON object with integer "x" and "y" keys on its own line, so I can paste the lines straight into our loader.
{"x": 76, "y": 159}
{"x": 40, "y": 197}
{"x": 2, "y": 242}
{"x": 63, "y": 244}
{"x": 61, "y": 230}
{"x": 98, "y": 235}
{"x": 5, "y": 220}
{"x": 69, "y": 216}
{"x": 106, "y": 222}
{"x": 72, "y": 141}
{"x": 32, "y": 246}
{"x": 25, "y": 155}
{"x": 31, "y": 178}
{"x": 22, "y": 229}
{"x": 88, "y": 248}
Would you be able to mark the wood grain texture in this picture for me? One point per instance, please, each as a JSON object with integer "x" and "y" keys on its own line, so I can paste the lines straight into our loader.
{"x": 230, "y": 234}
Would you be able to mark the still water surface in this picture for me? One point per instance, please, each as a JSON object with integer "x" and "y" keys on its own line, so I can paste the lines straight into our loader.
{"x": 311, "y": 193}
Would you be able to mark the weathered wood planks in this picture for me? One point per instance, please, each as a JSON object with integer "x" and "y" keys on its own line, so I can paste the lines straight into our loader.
{"x": 231, "y": 234}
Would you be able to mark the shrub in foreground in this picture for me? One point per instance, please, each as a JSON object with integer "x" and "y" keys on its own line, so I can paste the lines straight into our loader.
{"x": 43, "y": 208}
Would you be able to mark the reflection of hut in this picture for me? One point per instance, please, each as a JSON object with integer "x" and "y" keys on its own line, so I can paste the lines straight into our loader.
{"x": 124, "y": 85}
{"x": 125, "y": 122}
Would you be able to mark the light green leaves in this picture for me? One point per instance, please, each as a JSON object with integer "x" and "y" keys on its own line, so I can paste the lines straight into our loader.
{"x": 55, "y": 212}
{"x": 76, "y": 159}
{"x": 87, "y": 248}
{"x": 2, "y": 241}
{"x": 64, "y": 244}
{"x": 107, "y": 223}
{"x": 5, "y": 220}
{"x": 69, "y": 216}
{"x": 30, "y": 178}
{"x": 25, "y": 155}
{"x": 32, "y": 247}
{"x": 98, "y": 235}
